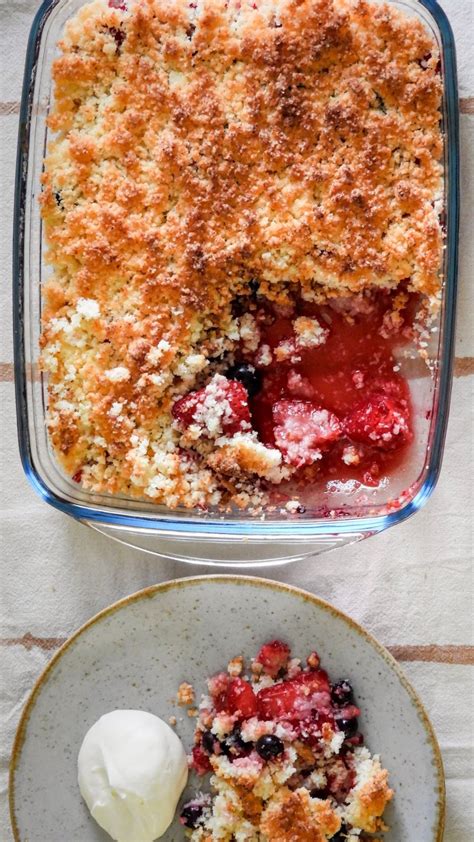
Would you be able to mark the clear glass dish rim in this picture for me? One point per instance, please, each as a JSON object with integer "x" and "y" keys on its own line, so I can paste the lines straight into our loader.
{"x": 297, "y": 530}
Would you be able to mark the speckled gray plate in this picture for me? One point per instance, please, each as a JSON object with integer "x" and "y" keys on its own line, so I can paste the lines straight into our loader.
{"x": 135, "y": 654}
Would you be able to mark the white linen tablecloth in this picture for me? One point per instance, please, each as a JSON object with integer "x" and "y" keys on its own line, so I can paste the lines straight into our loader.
{"x": 411, "y": 586}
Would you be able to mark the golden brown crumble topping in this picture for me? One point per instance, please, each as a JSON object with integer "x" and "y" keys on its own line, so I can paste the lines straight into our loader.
{"x": 197, "y": 146}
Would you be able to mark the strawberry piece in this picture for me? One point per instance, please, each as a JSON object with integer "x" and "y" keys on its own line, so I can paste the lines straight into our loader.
{"x": 117, "y": 4}
{"x": 296, "y": 699}
{"x": 200, "y": 761}
{"x": 277, "y": 702}
{"x": 381, "y": 421}
{"x": 241, "y": 699}
{"x": 273, "y": 657}
{"x": 220, "y": 408}
{"x": 301, "y": 429}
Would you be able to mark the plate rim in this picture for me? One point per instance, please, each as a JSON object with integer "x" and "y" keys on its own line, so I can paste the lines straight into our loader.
{"x": 271, "y": 584}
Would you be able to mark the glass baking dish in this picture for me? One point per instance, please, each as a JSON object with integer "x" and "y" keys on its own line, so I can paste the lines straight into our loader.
{"x": 210, "y": 537}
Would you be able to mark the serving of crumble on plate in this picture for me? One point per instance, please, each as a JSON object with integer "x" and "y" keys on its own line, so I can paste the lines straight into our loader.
{"x": 242, "y": 206}
{"x": 279, "y": 737}
{"x": 288, "y": 761}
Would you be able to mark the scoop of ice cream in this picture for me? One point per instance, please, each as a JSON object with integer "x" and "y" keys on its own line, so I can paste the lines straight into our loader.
{"x": 132, "y": 770}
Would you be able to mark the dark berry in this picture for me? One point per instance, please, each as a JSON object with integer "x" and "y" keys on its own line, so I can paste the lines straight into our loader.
{"x": 269, "y": 746}
{"x": 207, "y": 741}
{"x": 240, "y": 305}
{"x": 349, "y": 726}
{"x": 118, "y": 35}
{"x": 254, "y": 286}
{"x": 341, "y": 834}
{"x": 237, "y": 741}
{"x": 352, "y": 742}
{"x": 190, "y": 815}
{"x": 247, "y": 375}
{"x": 380, "y": 103}
{"x": 342, "y": 692}
{"x": 319, "y": 793}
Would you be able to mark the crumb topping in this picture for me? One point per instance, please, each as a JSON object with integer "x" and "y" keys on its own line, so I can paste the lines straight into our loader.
{"x": 198, "y": 146}
{"x": 286, "y": 759}
{"x": 185, "y": 695}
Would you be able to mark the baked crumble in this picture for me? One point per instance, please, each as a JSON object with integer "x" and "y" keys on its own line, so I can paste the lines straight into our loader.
{"x": 286, "y": 758}
{"x": 228, "y": 185}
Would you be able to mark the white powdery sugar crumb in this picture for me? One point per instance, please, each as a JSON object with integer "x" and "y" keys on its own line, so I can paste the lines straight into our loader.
{"x": 235, "y": 666}
{"x": 252, "y": 729}
{"x": 249, "y": 332}
{"x": 264, "y": 356}
{"x": 223, "y": 724}
{"x": 193, "y": 364}
{"x": 336, "y": 742}
{"x": 66, "y": 406}
{"x": 285, "y": 732}
{"x": 309, "y": 332}
{"x": 161, "y": 380}
{"x": 286, "y": 350}
{"x": 264, "y": 681}
{"x": 350, "y": 455}
{"x": 71, "y": 373}
{"x": 292, "y": 506}
{"x": 317, "y": 779}
{"x": 214, "y": 409}
{"x": 88, "y": 308}
{"x": 117, "y": 374}
{"x": 115, "y": 409}
{"x": 156, "y": 354}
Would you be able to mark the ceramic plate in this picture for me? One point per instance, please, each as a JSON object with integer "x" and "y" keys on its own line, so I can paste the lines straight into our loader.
{"x": 136, "y": 653}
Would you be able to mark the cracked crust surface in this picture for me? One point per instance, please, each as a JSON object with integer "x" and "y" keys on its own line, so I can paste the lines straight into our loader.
{"x": 198, "y": 146}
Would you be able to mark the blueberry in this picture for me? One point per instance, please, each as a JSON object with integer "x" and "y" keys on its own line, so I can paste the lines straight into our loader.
{"x": 319, "y": 793}
{"x": 341, "y": 834}
{"x": 349, "y": 726}
{"x": 269, "y": 746}
{"x": 254, "y": 286}
{"x": 342, "y": 692}
{"x": 190, "y": 815}
{"x": 247, "y": 375}
{"x": 237, "y": 741}
{"x": 207, "y": 741}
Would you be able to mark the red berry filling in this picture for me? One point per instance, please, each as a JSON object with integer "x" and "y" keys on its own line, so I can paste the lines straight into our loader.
{"x": 297, "y": 699}
{"x": 273, "y": 657}
{"x": 200, "y": 761}
{"x": 338, "y": 411}
{"x": 240, "y": 699}
{"x": 300, "y": 707}
{"x": 302, "y": 429}
{"x": 379, "y": 420}
{"x": 221, "y": 408}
